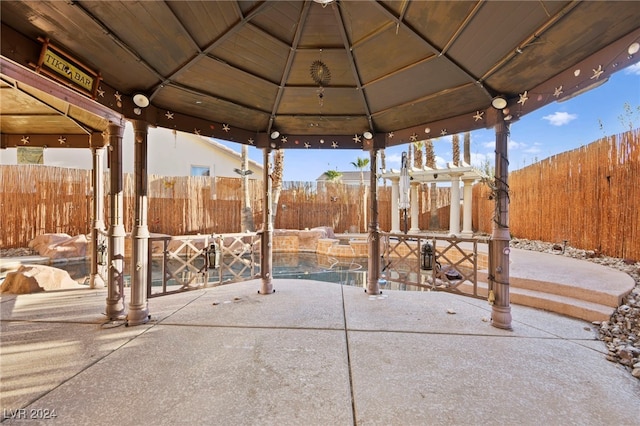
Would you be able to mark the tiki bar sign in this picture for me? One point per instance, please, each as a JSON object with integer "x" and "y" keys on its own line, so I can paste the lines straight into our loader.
{"x": 63, "y": 68}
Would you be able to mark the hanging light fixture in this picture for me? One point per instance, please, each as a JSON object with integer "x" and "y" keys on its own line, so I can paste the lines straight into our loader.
{"x": 367, "y": 135}
{"x": 275, "y": 134}
{"x": 141, "y": 100}
{"x": 499, "y": 102}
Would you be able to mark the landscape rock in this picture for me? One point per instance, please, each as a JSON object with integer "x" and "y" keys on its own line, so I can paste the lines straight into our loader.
{"x": 36, "y": 278}
{"x": 60, "y": 246}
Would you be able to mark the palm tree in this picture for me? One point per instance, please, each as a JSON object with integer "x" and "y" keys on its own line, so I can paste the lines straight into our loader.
{"x": 333, "y": 175}
{"x": 276, "y": 176}
{"x": 417, "y": 155}
{"x": 360, "y": 164}
{"x": 433, "y": 206}
{"x": 247, "y": 214}
{"x": 456, "y": 149}
{"x": 467, "y": 147}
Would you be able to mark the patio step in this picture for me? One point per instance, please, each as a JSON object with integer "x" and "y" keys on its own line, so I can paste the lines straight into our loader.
{"x": 553, "y": 297}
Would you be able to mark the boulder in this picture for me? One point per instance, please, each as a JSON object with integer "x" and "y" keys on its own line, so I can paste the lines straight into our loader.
{"x": 60, "y": 246}
{"x": 36, "y": 278}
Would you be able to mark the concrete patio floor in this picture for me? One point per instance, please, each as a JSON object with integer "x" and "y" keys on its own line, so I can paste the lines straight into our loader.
{"x": 313, "y": 353}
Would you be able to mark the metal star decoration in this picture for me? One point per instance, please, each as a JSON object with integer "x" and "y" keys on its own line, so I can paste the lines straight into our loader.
{"x": 443, "y": 132}
{"x": 597, "y": 73}
{"x": 169, "y": 115}
{"x": 283, "y": 139}
{"x": 100, "y": 92}
{"x": 197, "y": 132}
{"x": 334, "y": 144}
{"x": 118, "y": 96}
{"x": 413, "y": 137}
{"x": 226, "y": 127}
{"x": 62, "y": 140}
{"x": 307, "y": 145}
{"x": 356, "y": 139}
{"x": 251, "y": 141}
{"x": 478, "y": 116}
{"x": 523, "y": 97}
{"x": 25, "y": 140}
{"x": 390, "y": 135}
{"x": 557, "y": 92}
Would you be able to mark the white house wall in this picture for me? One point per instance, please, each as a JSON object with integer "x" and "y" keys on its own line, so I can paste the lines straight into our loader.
{"x": 169, "y": 154}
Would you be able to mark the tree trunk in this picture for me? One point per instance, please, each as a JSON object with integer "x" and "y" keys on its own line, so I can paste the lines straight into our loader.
{"x": 247, "y": 223}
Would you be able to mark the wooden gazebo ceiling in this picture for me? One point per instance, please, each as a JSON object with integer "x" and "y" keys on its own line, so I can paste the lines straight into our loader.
{"x": 320, "y": 75}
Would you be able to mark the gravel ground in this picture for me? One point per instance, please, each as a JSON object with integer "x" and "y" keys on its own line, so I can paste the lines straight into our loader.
{"x": 621, "y": 333}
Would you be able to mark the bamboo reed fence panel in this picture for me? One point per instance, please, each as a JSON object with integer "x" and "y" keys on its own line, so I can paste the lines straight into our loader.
{"x": 589, "y": 197}
{"x": 38, "y": 199}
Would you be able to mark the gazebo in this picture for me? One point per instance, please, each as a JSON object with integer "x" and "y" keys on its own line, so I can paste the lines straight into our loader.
{"x": 321, "y": 74}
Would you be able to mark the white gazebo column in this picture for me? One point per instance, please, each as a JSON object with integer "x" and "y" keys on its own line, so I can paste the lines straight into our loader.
{"x": 467, "y": 200}
{"x": 454, "y": 210}
{"x": 415, "y": 213}
{"x": 395, "y": 212}
{"x": 98, "y": 246}
{"x": 138, "y": 305}
{"x": 115, "y": 283}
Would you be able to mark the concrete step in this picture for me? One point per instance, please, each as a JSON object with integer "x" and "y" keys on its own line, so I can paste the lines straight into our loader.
{"x": 574, "y": 291}
{"x": 561, "y": 304}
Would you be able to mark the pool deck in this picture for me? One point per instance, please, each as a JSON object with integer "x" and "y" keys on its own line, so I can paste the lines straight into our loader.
{"x": 312, "y": 353}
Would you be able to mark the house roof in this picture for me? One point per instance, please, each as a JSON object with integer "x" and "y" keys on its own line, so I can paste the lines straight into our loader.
{"x": 319, "y": 73}
{"x": 348, "y": 177}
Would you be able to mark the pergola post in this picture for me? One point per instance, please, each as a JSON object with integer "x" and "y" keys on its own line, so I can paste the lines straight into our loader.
{"x": 499, "y": 244}
{"x": 98, "y": 269}
{"x": 467, "y": 202}
{"x": 373, "y": 287}
{"x": 454, "y": 209}
{"x": 415, "y": 213}
{"x": 395, "y": 212}
{"x": 266, "y": 252}
{"x": 138, "y": 305}
{"x": 115, "y": 283}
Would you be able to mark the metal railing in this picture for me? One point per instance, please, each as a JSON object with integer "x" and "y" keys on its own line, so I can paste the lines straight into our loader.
{"x": 431, "y": 262}
{"x": 189, "y": 262}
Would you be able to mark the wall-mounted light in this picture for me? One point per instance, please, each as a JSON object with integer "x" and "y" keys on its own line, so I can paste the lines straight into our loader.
{"x": 275, "y": 134}
{"x": 367, "y": 135}
{"x": 141, "y": 100}
{"x": 499, "y": 102}
{"x": 633, "y": 48}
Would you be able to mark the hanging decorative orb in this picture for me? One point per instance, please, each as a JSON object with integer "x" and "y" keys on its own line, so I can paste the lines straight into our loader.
{"x": 320, "y": 73}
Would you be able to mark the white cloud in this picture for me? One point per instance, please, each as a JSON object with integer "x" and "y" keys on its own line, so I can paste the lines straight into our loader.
{"x": 633, "y": 69}
{"x": 560, "y": 118}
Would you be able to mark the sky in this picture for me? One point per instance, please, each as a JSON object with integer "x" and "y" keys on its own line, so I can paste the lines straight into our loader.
{"x": 553, "y": 129}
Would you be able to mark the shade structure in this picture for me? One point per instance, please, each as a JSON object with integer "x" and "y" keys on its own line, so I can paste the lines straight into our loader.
{"x": 405, "y": 186}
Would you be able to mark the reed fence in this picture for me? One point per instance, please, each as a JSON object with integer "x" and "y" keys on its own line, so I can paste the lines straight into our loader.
{"x": 589, "y": 197}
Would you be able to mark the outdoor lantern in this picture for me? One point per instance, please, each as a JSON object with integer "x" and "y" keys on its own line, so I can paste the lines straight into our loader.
{"x": 213, "y": 256}
{"x": 102, "y": 254}
{"x": 427, "y": 256}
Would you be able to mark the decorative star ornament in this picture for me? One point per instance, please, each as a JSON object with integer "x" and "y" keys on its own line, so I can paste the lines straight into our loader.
{"x": 251, "y": 141}
{"x": 169, "y": 115}
{"x": 597, "y": 73}
{"x": 443, "y": 132}
{"x": 356, "y": 139}
{"x": 557, "y": 92}
{"x": 478, "y": 116}
{"x": 390, "y": 135}
{"x": 413, "y": 138}
{"x": 307, "y": 145}
{"x": 197, "y": 132}
{"x": 283, "y": 139}
{"x": 523, "y": 97}
{"x": 226, "y": 127}
{"x": 118, "y": 96}
{"x": 25, "y": 140}
{"x": 334, "y": 144}
{"x": 100, "y": 92}
{"x": 62, "y": 140}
